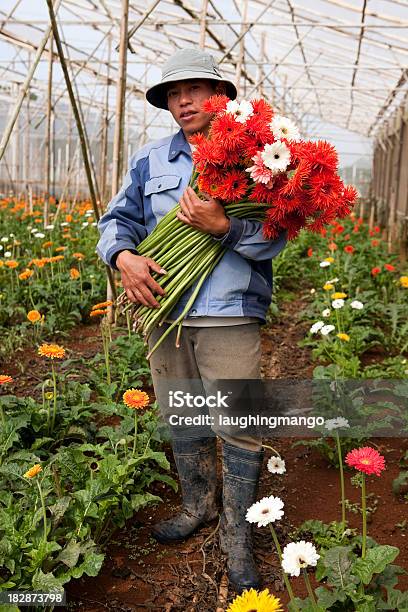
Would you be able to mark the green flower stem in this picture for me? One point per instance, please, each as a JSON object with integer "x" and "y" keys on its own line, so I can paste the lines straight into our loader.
{"x": 43, "y": 509}
{"x": 309, "y": 589}
{"x": 343, "y": 496}
{"x": 285, "y": 578}
{"x": 54, "y": 392}
{"x": 272, "y": 449}
{"x": 2, "y": 415}
{"x": 207, "y": 271}
{"x": 364, "y": 512}
{"x": 105, "y": 343}
{"x": 134, "y": 439}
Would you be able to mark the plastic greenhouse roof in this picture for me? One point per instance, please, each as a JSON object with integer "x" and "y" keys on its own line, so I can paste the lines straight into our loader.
{"x": 337, "y": 61}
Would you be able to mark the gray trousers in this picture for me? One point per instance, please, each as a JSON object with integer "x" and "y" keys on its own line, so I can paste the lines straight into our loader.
{"x": 207, "y": 354}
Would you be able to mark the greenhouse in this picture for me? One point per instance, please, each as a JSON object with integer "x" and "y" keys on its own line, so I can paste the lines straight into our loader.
{"x": 204, "y": 305}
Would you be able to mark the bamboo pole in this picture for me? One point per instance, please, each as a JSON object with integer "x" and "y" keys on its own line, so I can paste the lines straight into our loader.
{"x": 48, "y": 137}
{"x": 24, "y": 88}
{"x": 241, "y": 53}
{"x": 77, "y": 116}
{"x": 203, "y": 23}
{"x": 119, "y": 128}
{"x": 120, "y": 100}
{"x": 105, "y": 132}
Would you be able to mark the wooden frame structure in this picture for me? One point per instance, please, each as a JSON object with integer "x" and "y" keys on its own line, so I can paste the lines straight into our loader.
{"x": 341, "y": 62}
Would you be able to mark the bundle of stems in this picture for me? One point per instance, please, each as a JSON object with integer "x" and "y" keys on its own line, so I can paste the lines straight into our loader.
{"x": 188, "y": 256}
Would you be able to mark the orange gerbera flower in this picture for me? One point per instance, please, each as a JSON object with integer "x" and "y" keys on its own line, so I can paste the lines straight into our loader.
{"x": 68, "y": 218}
{"x": 97, "y": 312}
{"x": 33, "y": 316}
{"x": 52, "y": 351}
{"x": 74, "y": 273}
{"x": 60, "y": 249}
{"x": 25, "y": 274}
{"x": 47, "y": 244}
{"x": 134, "y": 398}
{"x": 32, "y": 472}
{"x": 78, "y": 255}
{"x": 4, "y": 378}
{"x": 102, "y": 305}
{"x": 12, "y": 263}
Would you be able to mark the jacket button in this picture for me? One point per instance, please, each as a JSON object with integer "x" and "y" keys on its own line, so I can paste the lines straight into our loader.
{"x": 159, "y": 185}
{"x": 194, "y": 311}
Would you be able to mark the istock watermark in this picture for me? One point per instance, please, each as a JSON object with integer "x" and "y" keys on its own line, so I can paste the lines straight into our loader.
{"x": 180, "y": 399}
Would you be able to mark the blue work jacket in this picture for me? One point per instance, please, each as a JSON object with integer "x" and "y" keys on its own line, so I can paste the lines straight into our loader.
{"x": 241, "y": 283}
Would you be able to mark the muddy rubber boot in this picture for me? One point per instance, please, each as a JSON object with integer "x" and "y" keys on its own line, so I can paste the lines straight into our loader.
{"x": 241, "y": 471}
{"x": 196, "y": 462}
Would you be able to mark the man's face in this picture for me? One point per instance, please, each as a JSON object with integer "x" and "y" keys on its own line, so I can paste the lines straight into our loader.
{"x": 184, "y": 99}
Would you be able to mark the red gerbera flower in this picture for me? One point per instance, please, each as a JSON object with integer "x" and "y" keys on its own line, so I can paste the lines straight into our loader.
{"x": 309, "y": 252}
{"x": 325, "y": 189}
{"x": 349, "y": 248}
{"x": 366, "y": 460}
{"x": 389, "y": 267}
{"x": 234, "y": 186}
{"x": 205, "y": 152}
{"x": 376, "y": 270}
{"x": 215, "y": 104}
{"x": 321, "y": 155}
{"x": 230, "y": 134}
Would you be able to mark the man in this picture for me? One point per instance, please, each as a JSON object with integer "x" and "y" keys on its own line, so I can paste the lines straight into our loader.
{"x": 221, "y": 337}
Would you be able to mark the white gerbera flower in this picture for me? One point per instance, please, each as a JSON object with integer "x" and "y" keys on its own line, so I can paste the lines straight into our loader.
{"x": 336, "y": 423}
{"x": 324, "y": 264}
{"x": 88, "y": 213}
{"x": 64, "y": 223}
{"x": 7, "y": 254}
{"x": 339, "y": 303}
{"x": 241, "y": 110}
{"x": 276, "y": 465}
{"x": 312, "y": 291}
{"x": 326, "y": 329}
{"x": 34, "y": 230}
{"x": 276, "y": 156}
{"x": 298, "y": 555}
{"x": 282, "y": 127}
{"x": 316, "y": 327}
{"x": 49, "y": 227}
{"x": 357, "y": 305}
{"x": 268, "y": 510}
{"x": 333, "y": 281}
{"x": 39, "y": 235}
{"x": 85, "y": 224}
{"x": 326, "y": 312}
{"x": 5, "y": 239}
{"x": 1, "y": 247}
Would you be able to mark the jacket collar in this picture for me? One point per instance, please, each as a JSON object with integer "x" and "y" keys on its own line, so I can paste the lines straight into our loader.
{"x": 178, "y": 144}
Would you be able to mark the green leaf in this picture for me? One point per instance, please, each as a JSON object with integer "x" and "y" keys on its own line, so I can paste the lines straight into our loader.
{"x": 91, "y": 565}
{"x": 375, "y": 562}
{"x": 326, "y": 598}
{"x": 142, "y": 499}
{"x": 337, "y": 564}
{"x": 70, "y": 554}
{"x": 48, "y": 583}
{"x": 59, "y": 508}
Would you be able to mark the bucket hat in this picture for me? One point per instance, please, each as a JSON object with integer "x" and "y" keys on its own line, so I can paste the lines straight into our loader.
{"x": 187, "y": 64}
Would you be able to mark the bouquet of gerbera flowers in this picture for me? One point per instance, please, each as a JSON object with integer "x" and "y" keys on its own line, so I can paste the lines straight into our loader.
{"x": 256, "y": 164}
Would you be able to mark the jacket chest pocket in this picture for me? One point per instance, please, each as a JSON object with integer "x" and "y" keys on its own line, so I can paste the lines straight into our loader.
{"x": 158, "y": 184}
{"x": 164, "y": 194}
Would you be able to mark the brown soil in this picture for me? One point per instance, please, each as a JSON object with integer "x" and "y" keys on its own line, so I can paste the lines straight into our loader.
{"x": 139, "y": 574}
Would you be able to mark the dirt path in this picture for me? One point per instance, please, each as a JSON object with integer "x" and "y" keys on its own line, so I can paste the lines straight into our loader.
{"x": 139, "y": 574}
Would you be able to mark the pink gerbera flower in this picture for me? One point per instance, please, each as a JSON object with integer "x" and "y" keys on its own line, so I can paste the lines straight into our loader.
{"x": 367, "y": 460}
{"x": 259, "y": 172}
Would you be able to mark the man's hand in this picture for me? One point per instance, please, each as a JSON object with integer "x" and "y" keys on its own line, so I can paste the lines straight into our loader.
{"x": 205, "y": 215}
{"x": 136, "y": 278}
